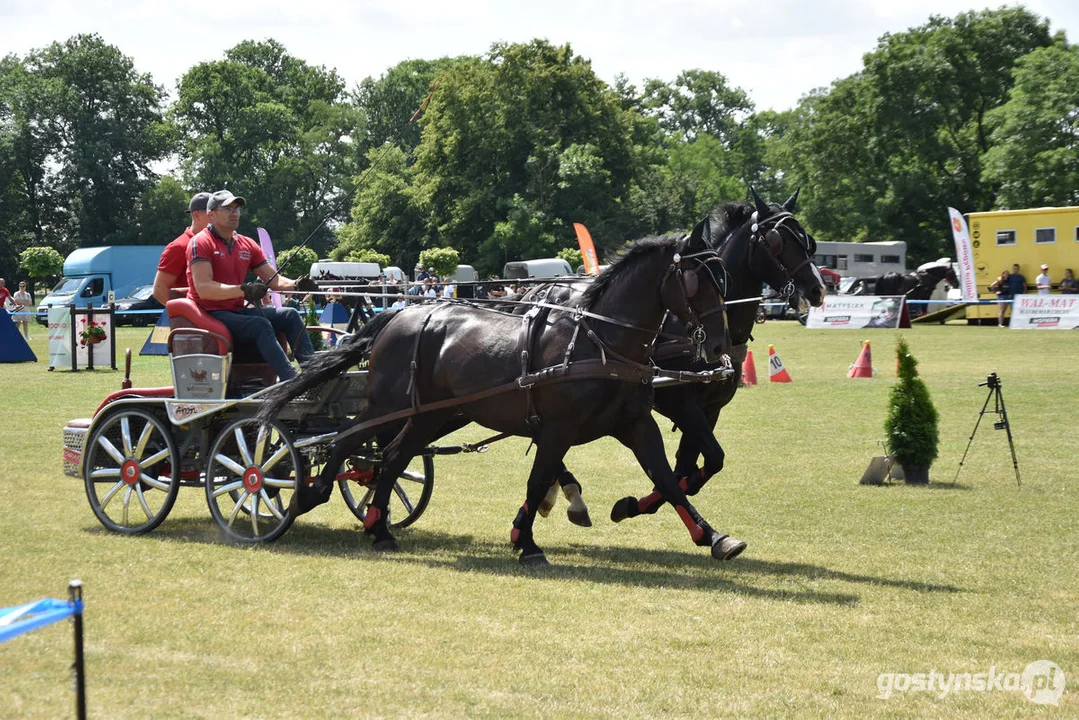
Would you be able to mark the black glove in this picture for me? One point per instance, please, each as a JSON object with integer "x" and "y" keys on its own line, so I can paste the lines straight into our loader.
{"x": 304, "y": 283}
{"x": 254, "y": 292}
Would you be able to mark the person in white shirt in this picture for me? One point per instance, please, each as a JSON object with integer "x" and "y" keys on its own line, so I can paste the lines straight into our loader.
{"x": 1044, "y": 283}
{"x": 24, "y": 303}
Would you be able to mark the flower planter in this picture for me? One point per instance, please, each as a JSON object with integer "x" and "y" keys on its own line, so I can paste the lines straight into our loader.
{"x": 916, "y": 474}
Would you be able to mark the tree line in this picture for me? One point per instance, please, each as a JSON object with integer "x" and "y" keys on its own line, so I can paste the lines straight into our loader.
{"x": 508, "y": 149}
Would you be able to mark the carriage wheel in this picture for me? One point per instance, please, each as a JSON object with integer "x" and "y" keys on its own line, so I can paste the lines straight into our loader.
{"x": 409, "y": 499}
{"x": 131, "y": 471}
{"x": 250, "y": 477}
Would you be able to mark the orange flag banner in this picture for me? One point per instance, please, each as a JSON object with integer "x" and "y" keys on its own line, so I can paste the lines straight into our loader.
{"x": 588, "y": 250}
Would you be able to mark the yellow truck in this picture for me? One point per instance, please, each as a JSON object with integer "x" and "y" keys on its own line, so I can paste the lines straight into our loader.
{"x": 1030, "y": 238}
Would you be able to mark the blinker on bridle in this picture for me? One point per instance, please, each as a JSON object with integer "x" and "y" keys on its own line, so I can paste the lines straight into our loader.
{"x": 772, "y": 240}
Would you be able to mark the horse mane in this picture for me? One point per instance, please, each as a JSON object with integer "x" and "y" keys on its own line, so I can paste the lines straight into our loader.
{"x": 727, "y": 218}
{"x": 627, "y": 259}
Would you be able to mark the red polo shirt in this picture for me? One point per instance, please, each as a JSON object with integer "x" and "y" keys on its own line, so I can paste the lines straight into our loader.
{"x": 231, "y": 261}
{"x": 174, "y": 259}
{"x": 4, "y": 295}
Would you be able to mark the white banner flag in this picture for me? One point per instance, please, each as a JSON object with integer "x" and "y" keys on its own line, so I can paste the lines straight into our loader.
{"x": 1045, "y": 312}
{"x": 59, "y": 336}
{"x": 964, "y": 255}
{"x": 853, "y": 312}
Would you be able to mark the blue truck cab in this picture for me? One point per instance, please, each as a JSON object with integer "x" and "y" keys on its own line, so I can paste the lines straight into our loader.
{"x": 90, "y": 273}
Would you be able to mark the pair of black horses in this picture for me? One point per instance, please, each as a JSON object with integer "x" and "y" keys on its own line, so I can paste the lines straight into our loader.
{"x": 576, "y": 367}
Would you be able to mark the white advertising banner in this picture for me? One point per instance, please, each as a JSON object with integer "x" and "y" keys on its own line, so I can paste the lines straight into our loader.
{"x": 1045, "y": 312}
{"x": 964, "y": 254}
{"x": 59, "y": 336}
{"x": 854, "y": 312}
{"x": 94, "y": 336}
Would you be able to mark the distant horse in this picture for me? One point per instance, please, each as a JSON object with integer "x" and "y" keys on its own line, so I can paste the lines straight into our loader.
{"x": 914, "y": 286}
{"x": 758, "y": 243}
{"x": 560, "y": 377}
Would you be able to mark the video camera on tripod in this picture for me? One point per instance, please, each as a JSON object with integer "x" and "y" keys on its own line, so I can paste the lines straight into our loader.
{"x": 993, "y": 382}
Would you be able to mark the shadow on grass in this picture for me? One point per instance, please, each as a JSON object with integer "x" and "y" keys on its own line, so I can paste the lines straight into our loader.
{"x": 606, "y": 565}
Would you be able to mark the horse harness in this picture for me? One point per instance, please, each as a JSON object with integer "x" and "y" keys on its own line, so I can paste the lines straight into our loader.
{"x": 611, "y": 365}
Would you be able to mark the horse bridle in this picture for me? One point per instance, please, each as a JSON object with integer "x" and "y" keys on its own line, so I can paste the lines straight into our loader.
{"x": 768, "y": 234}
{"x": 690, "y": 284}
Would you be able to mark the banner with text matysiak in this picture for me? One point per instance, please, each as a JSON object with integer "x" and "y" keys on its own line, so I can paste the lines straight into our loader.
{"x": 854, "y": 312}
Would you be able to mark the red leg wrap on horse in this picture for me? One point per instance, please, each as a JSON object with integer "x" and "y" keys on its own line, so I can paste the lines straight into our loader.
{"x": 372, "y": 517}
{"x": 695, "y": 531}
{"x": 649, "y": 502}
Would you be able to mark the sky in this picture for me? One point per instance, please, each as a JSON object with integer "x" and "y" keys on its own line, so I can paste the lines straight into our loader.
{"x": 775, "y": 50}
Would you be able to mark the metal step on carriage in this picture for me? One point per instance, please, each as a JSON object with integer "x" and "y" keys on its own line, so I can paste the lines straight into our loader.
{"x": 143, "y": 444}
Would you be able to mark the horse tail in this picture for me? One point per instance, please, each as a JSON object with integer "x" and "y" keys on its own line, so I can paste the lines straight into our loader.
{"x": 323, "y": 366}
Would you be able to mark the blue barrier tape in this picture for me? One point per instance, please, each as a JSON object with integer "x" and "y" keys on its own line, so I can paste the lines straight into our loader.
{"x": 15, "y": 621}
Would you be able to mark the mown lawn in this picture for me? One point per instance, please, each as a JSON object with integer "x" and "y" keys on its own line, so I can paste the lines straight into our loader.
{"x": 840, "y": 582}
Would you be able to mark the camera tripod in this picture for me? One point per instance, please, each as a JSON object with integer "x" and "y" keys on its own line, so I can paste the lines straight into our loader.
{"x": 993, "y": 382}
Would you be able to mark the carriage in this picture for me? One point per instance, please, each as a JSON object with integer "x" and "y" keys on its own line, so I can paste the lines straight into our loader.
{"x": 143, "y": 444}
{"x": 562, "y": 374}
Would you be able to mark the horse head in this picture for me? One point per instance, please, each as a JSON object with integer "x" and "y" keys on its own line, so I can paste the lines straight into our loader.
{"x": 782, "y": 250}
{"x": 693, "y": 290}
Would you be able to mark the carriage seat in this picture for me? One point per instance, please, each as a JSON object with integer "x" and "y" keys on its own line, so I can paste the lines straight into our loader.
{"x": 248, "y": 366}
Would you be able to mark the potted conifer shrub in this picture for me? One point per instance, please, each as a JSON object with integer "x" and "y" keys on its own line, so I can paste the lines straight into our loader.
{"x": 911, "y": 426}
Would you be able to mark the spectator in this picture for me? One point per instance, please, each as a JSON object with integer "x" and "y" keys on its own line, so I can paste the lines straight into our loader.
{"x": 1069, "y": 285}
{"x": 1043, "y": 281}
{"x": 24, "y": 302}
{"x": 171, "y": 278}
{"x": 448, "y": 290}
{"x": 424, "y": 274}
{"x": 218, "y": 260}
{"x": 1017, "y": 282}
{"x": 429, "y": 288}
{"x": 1002, "y": 287}
{"x": 5, "y": 295}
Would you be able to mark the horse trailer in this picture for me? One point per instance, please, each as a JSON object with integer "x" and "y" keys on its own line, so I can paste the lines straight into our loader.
{"x": 1029, "y": 238}
{"x": 867, "y": 259}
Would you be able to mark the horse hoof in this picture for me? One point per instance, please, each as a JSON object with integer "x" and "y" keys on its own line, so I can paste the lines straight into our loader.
{"x": 386, "y": 545}
{"x": 535, "y": 559}
{"x": 621, "y": 509}
{"x": 579, "y": 517}
{"x": 727, "y": 548}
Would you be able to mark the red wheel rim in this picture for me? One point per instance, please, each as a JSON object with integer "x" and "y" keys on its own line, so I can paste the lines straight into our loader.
{"x": 253, "y": 479}
{"x": 130, "y": 471}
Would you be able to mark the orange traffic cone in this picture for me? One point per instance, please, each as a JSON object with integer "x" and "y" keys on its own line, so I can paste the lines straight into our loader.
{"x": 776, "y": 371}
{"x": 863, "y": 366}
{"x": 749, "y": 370}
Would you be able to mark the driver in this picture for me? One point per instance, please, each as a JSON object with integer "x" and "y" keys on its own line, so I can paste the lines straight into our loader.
{"x": 218, "y": 259}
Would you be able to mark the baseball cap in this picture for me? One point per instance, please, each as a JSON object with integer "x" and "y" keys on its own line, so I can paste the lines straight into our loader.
{"x": 222, "y": 198}
{"x": 1045, "y": 267}
{"x": 198, "y": 202}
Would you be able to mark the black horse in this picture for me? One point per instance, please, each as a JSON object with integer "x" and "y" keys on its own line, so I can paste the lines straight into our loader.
{"x": 758, "y": 243}
{"x": 917, "y": 285}
{"x": 560, "y": 377}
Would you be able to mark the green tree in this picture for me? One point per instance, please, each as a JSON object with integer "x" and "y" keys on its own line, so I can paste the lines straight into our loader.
{"x": 161, "y": 212}
{"x": 41, "y": 263}
{"x": 911, "y": 424}
{"x": 1034, "y": 158}
{"x": 444, "y": 260}
{"x": 883, "y": 152}
{"x": 385, "y": 216}
{"x": 274, "y": 129}
{"x": 79, "y": 131}
{"x": 390, "y": 102}
{"x": 527, "y": 130}
{"x": 697, "y": 102}
{"x": 296, "y": 261}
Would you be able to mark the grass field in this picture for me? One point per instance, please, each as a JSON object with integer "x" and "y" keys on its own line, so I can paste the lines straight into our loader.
{"x": 840, "y": 582}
